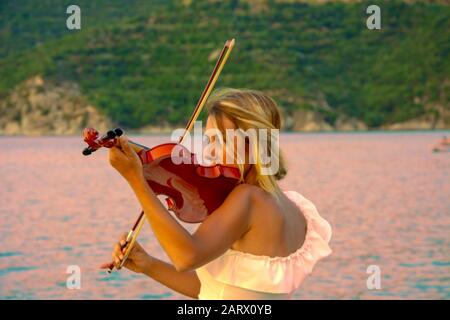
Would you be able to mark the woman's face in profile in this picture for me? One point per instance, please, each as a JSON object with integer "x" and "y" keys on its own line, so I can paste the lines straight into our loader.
{"x": 214, "y": 144}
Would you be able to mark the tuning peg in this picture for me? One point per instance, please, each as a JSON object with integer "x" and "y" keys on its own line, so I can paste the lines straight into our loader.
{"x": 87, "y": 151}
{"x": 110, "y": 134}
{"x": 118, "y": 132}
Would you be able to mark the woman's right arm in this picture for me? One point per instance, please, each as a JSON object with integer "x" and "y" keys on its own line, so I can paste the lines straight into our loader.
{"x": 185, "y": 282}
{"x": 139, "y": 261}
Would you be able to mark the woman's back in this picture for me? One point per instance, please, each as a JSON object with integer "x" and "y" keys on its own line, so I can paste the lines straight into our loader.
{"x": 277, "y": 226}
{"x": 260, "y": 272}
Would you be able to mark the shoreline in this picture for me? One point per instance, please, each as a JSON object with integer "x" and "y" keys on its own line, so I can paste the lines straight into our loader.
{"x": 288, "y": 133}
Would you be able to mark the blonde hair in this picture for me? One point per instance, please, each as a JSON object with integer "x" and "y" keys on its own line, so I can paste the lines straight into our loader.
{"x": 250, "y": 109}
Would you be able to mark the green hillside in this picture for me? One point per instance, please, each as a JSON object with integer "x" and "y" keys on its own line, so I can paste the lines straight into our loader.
{"x": 146, "y": 62}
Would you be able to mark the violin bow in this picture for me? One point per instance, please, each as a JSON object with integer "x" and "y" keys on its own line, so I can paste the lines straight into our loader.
{"x": 223, "y": 57}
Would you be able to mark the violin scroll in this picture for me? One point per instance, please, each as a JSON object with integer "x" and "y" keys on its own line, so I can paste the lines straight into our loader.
{"x": 91, "y": 137}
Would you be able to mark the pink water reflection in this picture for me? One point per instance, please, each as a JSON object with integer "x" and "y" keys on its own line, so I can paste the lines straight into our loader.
{"x": 386, "y": 196}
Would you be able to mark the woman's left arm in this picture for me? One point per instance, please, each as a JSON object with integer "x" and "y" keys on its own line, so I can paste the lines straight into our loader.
{"x": 213, "y": 237}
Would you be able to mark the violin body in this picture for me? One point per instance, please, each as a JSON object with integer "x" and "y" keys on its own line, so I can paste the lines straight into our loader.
{"x": 192, "y": 191}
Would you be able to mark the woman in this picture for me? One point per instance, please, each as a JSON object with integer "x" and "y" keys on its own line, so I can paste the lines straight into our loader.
{"x": 259, "y": 244}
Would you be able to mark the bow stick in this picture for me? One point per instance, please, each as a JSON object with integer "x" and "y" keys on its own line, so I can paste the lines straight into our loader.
{"x": 223, "y": 57}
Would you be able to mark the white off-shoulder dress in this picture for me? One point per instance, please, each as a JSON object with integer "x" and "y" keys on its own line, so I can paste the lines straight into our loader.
{"x": 239, "y": 275}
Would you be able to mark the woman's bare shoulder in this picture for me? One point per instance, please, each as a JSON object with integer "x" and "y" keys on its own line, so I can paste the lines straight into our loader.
{"x": 247, "y": 192}
{"x": 239, "y": 201}
{"x": 256, "y": 198}
{"x": 242, "y": 193}
{"x": 244, "y": 197}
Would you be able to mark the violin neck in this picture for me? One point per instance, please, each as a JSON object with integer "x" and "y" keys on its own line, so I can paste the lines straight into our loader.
{"x": 137, "y": 147}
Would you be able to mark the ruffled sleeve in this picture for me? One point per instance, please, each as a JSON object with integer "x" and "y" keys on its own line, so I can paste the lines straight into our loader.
{"x": 276, "y": 274}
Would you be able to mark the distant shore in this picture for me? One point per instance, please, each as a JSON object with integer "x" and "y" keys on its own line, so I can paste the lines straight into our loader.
{"x": 284, "y": 132}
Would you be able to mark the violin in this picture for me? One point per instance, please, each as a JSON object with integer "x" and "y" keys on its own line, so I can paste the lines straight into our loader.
{"x": 192, "y": 191}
